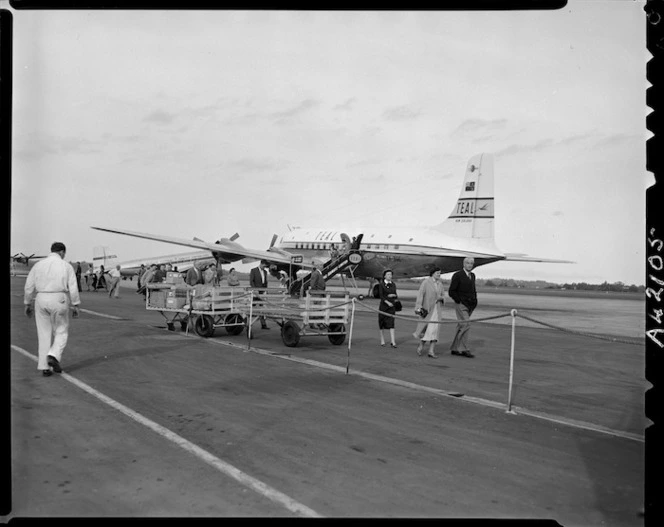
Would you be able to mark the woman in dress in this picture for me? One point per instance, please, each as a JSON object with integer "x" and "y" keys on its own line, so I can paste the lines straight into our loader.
{"x": 387, "y": 291}
{"x": 429, "y": 305}
{"x": 232, "y": 278}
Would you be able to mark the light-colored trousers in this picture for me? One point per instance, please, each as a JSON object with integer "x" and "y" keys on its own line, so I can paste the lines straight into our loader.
{"x": 52, "y": 319}
{"x": 115, "y": 287}
{"x": 460, "y": 342}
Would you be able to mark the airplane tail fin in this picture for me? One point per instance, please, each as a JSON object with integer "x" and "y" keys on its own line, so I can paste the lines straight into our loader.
{"x": 473, "y": 213}
{"x": 102, "y": 255}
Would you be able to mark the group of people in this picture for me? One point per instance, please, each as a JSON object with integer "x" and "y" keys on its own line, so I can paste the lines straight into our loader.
{"x": 429, "y": 306}
{"x": 52, "y": 288}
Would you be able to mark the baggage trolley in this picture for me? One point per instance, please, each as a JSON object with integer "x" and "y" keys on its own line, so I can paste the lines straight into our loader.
{"x": 320, "y": 313}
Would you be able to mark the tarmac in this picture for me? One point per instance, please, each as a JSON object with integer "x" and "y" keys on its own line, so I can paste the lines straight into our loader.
{"x": 147, "y": 422}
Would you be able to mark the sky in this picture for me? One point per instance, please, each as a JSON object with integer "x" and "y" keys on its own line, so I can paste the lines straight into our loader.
{"x": 206, "y": 123}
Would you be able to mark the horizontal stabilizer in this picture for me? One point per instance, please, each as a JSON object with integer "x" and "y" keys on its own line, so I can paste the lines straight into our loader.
{"x": 520, "y": 257}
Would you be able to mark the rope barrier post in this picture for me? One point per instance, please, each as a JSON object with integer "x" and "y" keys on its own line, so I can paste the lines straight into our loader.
{"x": 350, "y": 335}
{"x": 509, "y": 394}
{"x": 251, "y": 316}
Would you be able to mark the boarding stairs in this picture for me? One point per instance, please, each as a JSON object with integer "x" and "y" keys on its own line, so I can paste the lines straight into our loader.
{"x": 329, "y": 269}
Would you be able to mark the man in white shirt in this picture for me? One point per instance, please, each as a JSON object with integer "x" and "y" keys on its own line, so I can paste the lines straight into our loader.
{"x": 116, "y": 276}
{"x": 51, "y": 285}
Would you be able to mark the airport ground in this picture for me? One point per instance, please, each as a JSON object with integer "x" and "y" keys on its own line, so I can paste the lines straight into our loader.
{"x": 148, "y": 422}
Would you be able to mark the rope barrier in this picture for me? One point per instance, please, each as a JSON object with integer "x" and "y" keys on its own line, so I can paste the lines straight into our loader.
{"x": 298, "y": 309}
{"x": 419, "y": 319}
{"x": 582, "y": 333}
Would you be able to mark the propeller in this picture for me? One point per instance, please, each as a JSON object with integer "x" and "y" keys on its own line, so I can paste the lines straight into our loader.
{"x": 20, "y": 257}
{"x": 229, "y": 240}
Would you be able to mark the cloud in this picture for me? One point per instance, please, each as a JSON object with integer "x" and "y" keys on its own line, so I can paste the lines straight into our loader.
{"x": 159, "y": 117}
{"x": 38, "y": 148}
{"x": 612, "y": 141}
{"x": 400, "y": 113}
{"x": 618, "y": 139}
{"x": 374, "y": 179}
{"x": 363, "y": 163}
{"x": 480, "y": 126}
{"x": 254, "y": 165}
{"x": 517, "y": 149}
{"x": 346, "y": 106}
{"x": 296, "y": 111}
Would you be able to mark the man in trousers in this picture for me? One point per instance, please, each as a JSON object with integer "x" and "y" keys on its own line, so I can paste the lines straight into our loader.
{"x": 116, "y": 276}
{"x": 462, "y": 291}
{"x": 49, "y": 291}
{"x": 258, "y": 278}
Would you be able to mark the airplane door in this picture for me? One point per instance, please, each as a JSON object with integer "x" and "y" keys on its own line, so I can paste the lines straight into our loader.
{"x": 345, "y": 240}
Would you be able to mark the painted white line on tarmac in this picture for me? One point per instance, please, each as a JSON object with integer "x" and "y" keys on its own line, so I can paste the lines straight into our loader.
{"x": 224, "y": 467}
{"x": 578, "y": 424}
{"x": 437, "y": 391}
{"x": 100, "y": 314}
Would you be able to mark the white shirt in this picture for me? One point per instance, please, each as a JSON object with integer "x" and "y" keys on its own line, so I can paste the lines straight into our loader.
{"x": 51, "y": 275}
{"x": 115, "y": 273}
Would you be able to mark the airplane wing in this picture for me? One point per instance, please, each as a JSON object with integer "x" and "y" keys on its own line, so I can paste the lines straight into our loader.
{"x": 436, "y": 252}
{"x": 230, "y": 251}
{"x": 519, "y": 257}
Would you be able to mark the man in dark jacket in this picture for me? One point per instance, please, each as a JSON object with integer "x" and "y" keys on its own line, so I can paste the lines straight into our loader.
{"x": 317, "y": 282}
{"x": 462, "y": 291}
{"x": 258, "y": 278}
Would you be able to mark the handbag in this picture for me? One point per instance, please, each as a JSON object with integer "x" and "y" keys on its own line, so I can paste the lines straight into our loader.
{"x": 397, "y": 305}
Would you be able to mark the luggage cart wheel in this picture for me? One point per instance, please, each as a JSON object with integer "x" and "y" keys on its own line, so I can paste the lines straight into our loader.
{"x": 337, "y": 340}
{"x": 204, "y": 325}
{"x": 290, "y": 333}
{"x": 234, "y": 323}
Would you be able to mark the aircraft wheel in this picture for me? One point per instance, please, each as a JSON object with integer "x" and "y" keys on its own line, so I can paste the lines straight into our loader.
{"x": 337, "y": 340}
{"x": 290, "y": 333}
{"x": 204, "y": 326}
{"x": 234, "y": 318}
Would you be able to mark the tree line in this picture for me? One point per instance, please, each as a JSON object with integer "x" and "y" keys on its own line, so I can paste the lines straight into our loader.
{"x": 618, "y": 287}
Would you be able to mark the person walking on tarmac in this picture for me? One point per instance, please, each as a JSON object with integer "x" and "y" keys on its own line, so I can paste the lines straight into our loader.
{"x": 101, "y": 279}
{"x": 258, "y": 278}
{"x": 387, "y": 291}
{"x": 429, "y": 306}
{"x": 116, "y": 276}
{"x": 49, "y": 291}
{"x": 141, "y": 272}
{"x": 79, "y": 272}
{"x": 462, "y": 291}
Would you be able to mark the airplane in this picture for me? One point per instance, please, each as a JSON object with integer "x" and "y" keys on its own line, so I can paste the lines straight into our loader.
{"x": 20, "y": 263}
{"x": 102, "y": 255}
{"x": 407, "y": 251}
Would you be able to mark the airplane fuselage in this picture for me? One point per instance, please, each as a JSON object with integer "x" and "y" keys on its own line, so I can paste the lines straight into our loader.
{"x": 180, "y": 260}
{"x": 408, "y": 252}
